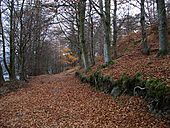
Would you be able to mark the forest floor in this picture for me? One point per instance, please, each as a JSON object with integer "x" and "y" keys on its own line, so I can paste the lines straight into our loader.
{"x": 62, "y": 101}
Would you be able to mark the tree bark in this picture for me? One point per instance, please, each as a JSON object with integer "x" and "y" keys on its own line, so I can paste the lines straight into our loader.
{"x": 163, "y": 41}
{"x": 115, "y": 30}
{"x": 92, "y": 54}
{"x": 12, "y": 50}
{"x": 143, "y": 29}
{"x": 84, "y": 55}
{"x": 105, "y": 17}
{"x": 22, "y": 46}
{"x": 3, "y": 40}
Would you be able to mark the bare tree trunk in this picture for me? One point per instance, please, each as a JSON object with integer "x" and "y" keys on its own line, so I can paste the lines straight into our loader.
{"x": 21, "y": 46}
{"x": 3, "y": 40}
{"x": 163, "y": 41}
{"x": 115, "y": 30}
{"x": 82, "y": 8}
{"x": 143, "y": 29}
{"x": 92, "y": 56}
{"x": 37, "y": 38}
{"x": 78, "y": 37}
{"x": 105, "y": 16}
{"x": 12, "y": 50}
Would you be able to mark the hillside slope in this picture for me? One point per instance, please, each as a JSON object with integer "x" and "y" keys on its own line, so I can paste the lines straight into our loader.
{"x": 132, "y": 61}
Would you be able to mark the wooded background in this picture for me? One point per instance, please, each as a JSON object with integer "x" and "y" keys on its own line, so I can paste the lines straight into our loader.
{"x": 45, "y": 36}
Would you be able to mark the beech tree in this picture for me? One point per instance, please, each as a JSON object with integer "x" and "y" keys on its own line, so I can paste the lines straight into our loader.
{"x": 11, "y": 41}
{"x": 82, "y": 9}
{"x": 22, "y": 44}
{"x": 115, "y": 29}
{"x": 91, "y": 33}
{"x": 143, "y": 29}
{"x": 164, "y": 47}
{"x": 106, "y": 20}
{"x": 3, "y": 39}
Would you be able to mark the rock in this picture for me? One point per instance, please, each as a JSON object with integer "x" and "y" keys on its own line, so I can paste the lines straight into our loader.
{"x": 115, "y": 91}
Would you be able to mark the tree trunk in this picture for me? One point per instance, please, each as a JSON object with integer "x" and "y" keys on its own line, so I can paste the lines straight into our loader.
{"x": 92, "y": 44}
{"x": 37, "y": 38}
{"x": 115, "y": 30}
{"x": 143, "y": 29}
{"x": 82, "y": 8}
{"x": 1, "y": 75}
{"x": 163, "y": 41}
{"x": 92, "y": 56}
{"x": 12, "y": 51}
{"x": 105, "y": 17}
{"x": 22, "y": 47}
{"x": 3, "y": 40}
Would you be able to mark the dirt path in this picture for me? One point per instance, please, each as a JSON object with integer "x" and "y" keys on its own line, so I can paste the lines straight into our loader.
{"x": 62, "y": 101}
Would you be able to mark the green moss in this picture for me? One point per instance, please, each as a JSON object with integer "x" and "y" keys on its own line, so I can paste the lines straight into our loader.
{"x": 153, "y": 89}
{"x": 108, "y": 64}
{"x": 156, "y": 89}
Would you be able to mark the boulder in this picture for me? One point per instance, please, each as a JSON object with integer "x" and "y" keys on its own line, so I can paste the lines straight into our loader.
{"x": 116, "y": 91}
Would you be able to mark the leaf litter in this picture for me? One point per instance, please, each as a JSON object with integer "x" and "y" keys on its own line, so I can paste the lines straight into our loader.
{"x": 62, "y": 101}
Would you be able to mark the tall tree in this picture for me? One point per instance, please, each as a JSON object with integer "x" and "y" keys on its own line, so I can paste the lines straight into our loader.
{"x": 3, "y": 39}
{"x": 21, "y": 44}
{"x": 115, "y": 29}
{"x": 90, "y": 31}
{"x": 105, "y": 17}
{"x": 143, "y": 29}
{"x": 84, "y": 55}
{"x": 11, "y": 41}
{"x": 37, "y": 37}
{"x": 164, "y": 47}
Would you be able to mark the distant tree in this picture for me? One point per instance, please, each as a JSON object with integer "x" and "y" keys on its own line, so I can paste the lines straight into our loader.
{"x": 106, "y": 21}
{"x": 164, "y": 47}
{"x": 22, "y": 44}
{"x": 3, "y": 39}
{"x": 91, "y": 33}
{"x": 11, "y": 41}
{"x": 115, "y": 29}
{"x": 150, "y": 13}
{"x": 143, "y": 29}
{"x": 84, "y": 55}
